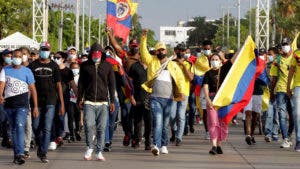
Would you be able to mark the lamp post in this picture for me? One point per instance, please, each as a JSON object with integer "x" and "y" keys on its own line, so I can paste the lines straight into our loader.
{"x": 77, "y": 24}
{"x": 239, "y": 24}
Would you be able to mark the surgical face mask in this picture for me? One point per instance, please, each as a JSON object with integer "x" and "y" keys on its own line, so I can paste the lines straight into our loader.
{"x": 262, "y": 57}
{"x": 24, "y": 58}
{"x": 75, "y": 71}
{"x": 215, "y": 63}
{"x": 270, "y": 58}
{"x": 84, "y": 59}
{"x": 96, "y": 60}
{"x": 198, "y": 54}
{"x": 187, "y": 55}
{"x": 286, "y": 49}
{"x": 107, "y": 53}
{"x": 7, "y": 60}
{"x": 58, "y": 61}
{"x": 44, "y": 54}
{"x": 207, "y": 52}
{"x": 16, "y": 61}
{"x": 72, "y": 56}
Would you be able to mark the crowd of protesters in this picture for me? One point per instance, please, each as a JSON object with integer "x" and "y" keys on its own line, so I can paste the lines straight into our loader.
{"x": 150, "y": 91}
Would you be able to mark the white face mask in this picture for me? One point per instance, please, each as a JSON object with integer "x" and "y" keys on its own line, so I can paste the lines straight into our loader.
{"x": 107, "y": 53}
{"x": 75, "y": 71}
{"x": 24, "y": 58}
{"x": 71, "y": 56}
{"x": 286, "y": 49}
{"x": 262, "y": 57}
{"x": 198, "y": 54}
{"x": 207, "y": 52}
{"x": 58, "y": 61}
{"x": 187, "y": 55}
{"x": 83, "y": 60}
{"x": 215, "y": 63}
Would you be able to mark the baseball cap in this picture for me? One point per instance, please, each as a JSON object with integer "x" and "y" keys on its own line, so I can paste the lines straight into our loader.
{"x": 45, "y": 45}
{"x": 133, "y": 43}
{"x": 7, "y": 51}
{"x": 72, "y": 47}
{"x": 160, "y": 45}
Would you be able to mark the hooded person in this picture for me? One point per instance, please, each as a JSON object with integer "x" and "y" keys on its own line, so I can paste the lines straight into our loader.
{"x": 96, "y": 82}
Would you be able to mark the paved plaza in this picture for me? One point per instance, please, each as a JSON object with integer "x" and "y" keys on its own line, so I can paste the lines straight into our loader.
{"x": 192, "y": 154}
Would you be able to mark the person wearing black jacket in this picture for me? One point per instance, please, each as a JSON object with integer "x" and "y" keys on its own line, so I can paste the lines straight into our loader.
{"x": 96, "y": 88}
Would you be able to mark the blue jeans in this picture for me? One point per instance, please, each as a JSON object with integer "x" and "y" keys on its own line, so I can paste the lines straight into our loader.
{"x": 42, "y": 127}
{"x": 281, "y": 109}
{"x": 111, "y": 122}
{"x": 296, "y": 104}
{"x": 17, "y": 119}
{"x": 271, "y": 121}
{"x": 192, "y": 109}
{"x": 95, "y": 115}
{"x": 177, "y": 119}
{"x": 126, "y": 118}
{"x": 161, "y": 111}
{"x": 4, "y": 126}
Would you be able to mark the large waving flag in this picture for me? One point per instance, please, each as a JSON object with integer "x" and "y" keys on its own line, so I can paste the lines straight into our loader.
{"x": 119, "y": 15}
{"x": 237, "y": 88}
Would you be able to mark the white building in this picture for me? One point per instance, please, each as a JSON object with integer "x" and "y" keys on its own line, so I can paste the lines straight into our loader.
{"x": 172, "y": 35}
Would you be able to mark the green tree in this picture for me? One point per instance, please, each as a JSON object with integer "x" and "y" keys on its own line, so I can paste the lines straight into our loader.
{"x": 15, "y": 16}
{"x": 203, "y": 30}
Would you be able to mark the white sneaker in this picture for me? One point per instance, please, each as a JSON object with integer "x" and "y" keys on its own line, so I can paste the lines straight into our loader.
{"x": 164, "y": 150}
{"x": 286, "y": 143}
{"x": 100, "y": 157}
{"x": 155, "y": 150}
{"x": 207, "y": 136}
{"x": 88, "y": 154}
{"x": 52, "y": 146}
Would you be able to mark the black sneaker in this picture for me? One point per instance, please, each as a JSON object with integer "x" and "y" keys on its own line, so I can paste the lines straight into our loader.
{"x": 248, "y": 140}
{"x": 77, "y": 136}
{"x": 44, "y": 158}
{"x": 186, "y": 131}
{"x": 19, "y": 159}
{"x": 213, "y": 150}
{"x": 72, "y": 139}
{"x": 26, "y": 154}
{"x": 172, "y": 139}
{"x": 253, "y": 140}
{"x": 178, "y": 142}
{"x": 9, "y": 143}
{"x": 107, "y": 147}
{"x": 219, "y": 150}
{"x": 192, "y": 130}
{"x": 67, "y": 136}
{"x": 126, "y": 140}
{"x": 147, "y": 147}
{"x": 32, "y": 144}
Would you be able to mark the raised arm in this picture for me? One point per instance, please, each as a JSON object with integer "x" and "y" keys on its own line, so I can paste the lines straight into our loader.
{"x": 145, "y": 55}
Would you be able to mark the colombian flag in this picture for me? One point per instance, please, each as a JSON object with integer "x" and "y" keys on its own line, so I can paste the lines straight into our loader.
{"x": 119, "y": 14}
{"x": 237, "y": 88}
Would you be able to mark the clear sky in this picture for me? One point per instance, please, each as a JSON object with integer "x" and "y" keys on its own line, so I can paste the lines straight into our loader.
{"x": 156, "y": 13}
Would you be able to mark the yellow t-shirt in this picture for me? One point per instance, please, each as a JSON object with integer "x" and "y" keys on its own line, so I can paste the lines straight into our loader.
{"x": 280, "y": 69}
{"x": 296, "y": 77}
{"x": 186, "y": 83}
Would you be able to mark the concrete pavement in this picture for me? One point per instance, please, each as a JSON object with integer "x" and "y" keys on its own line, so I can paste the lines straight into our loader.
{"x": 192, "y": 154}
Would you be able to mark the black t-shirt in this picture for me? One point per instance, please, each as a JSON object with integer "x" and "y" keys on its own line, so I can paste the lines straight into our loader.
{"x": 139, "y": 76}
{"x": 46, "y": 76}
{"x": 66, "y": 77}
{"x": 211, "y": 78}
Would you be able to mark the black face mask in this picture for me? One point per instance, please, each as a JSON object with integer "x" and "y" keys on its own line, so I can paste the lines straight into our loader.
{"x": 160, "y": 56}
{"x": 134, "y": 51}
{"x": 180, "y": 55}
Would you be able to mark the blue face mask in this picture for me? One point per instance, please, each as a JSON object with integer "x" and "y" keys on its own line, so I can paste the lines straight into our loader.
{"x": 44, "y": 54}
{"x": 17, "y": 61}
{"x": 271, "y": 58}
{"x": 7, "y": 60}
